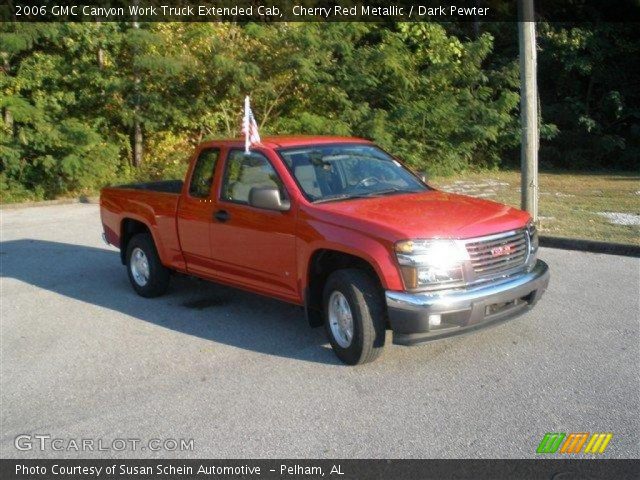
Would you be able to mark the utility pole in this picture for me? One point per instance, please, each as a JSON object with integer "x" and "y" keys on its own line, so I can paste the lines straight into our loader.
{"x": 528, "y": 108}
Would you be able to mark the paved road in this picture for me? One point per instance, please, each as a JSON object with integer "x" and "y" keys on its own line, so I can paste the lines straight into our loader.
{"x": 83, "y": 357}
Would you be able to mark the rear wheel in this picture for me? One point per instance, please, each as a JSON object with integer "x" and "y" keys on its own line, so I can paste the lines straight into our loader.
{"x": 148, "y": 276}
{"x": 354, "y": 316}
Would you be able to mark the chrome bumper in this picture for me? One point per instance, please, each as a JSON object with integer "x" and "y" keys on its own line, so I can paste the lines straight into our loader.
{"x": 463, "y": 311}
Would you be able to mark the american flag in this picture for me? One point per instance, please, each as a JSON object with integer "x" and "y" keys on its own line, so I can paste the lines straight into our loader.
{"x": 249, "y": 127}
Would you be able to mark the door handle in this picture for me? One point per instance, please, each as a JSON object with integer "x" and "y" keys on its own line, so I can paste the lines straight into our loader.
{"x": 222, "y": 216}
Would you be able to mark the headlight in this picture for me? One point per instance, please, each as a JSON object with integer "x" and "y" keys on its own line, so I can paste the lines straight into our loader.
{"x": 431, "y": 263}
{"x": 533, "y": 238}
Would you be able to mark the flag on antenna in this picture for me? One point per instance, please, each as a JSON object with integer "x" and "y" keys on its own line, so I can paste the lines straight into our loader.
{"x": 249, "y": 127}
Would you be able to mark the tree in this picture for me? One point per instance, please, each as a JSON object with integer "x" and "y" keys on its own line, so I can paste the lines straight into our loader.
{"x": 79, "y": 99}
{"x": 589, "y": 89}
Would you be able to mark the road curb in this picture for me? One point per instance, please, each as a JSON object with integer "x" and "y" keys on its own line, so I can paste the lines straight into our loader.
{"x": 590, "y": 246}
{"x": 46, "y": 203}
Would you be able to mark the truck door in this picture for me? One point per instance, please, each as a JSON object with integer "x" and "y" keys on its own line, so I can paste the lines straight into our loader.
{"x": 195, "y": 212}
{"x": 253, "y": 247}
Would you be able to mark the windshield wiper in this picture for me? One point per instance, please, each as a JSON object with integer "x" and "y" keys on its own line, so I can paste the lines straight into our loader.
{"x": 388, "y": 191}
{"x": 377, "y": 193}
{"x": 342, "y": 196}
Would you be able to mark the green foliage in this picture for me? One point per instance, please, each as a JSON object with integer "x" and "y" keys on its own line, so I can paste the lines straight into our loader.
{"x": 438, "y": 96}
{"x": 589, "y": 78}
{"x": 171, "y": 155}
{"x": 448, "y": 112}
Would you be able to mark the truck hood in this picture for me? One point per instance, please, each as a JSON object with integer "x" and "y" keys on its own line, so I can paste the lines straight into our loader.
{"x": 431, "y": 214}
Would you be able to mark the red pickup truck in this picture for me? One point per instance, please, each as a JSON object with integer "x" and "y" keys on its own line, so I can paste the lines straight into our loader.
{"x": 339, "y": 226}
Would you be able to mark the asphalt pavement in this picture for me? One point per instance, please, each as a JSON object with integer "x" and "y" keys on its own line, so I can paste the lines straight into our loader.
{"x": 237, "y": 375}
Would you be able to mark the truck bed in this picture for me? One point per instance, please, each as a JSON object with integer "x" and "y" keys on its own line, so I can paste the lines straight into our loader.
{"x": 165, "y": 186}
{"x": 154, "y": 204}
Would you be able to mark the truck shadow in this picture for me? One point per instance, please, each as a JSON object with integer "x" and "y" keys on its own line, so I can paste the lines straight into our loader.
{"x": 193, "y": 307}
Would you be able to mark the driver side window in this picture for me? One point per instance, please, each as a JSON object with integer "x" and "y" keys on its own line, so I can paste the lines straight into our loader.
{"x": 202, "y": 178}
{"x": 243, "y": 172}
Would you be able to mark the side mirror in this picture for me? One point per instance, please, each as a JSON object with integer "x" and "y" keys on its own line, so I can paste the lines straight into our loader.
{"x": 268, "y": 198}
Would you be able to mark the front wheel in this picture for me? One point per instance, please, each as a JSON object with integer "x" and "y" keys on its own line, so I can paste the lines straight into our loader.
{"x": 148, "y": 276}
{"x": 354, "y": 316}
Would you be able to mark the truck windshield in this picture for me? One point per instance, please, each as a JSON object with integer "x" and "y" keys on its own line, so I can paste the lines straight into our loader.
{"x": 338, "y": 172}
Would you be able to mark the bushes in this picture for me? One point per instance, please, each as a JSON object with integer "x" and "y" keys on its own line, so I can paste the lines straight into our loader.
{"x": 589, "y": 80}
{"x": 72, "y": 94}
{"x": 170, "y": 159}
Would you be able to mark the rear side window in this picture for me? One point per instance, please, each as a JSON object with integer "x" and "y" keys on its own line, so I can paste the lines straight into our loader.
{"x": 243, "y": 172}
{"x": 202, "y": 177}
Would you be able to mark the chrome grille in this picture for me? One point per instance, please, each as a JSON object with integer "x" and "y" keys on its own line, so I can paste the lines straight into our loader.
{"x": 498, "y": 254}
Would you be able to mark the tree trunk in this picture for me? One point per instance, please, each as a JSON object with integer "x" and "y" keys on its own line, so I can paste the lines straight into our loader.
{"x": 138, "y": 141}
{"x": 589, "y": 93}
{"x": 7, "y": 116}
{"x": 100, "y": 53}
{"x": 476, "y": 23}
{"x": 100, "y": 58}
{"x": 137, "y": 127}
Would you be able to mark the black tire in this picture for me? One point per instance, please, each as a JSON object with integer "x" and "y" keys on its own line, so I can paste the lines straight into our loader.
{"x": 159, "y": 276}
{"x": 366, "y": 303}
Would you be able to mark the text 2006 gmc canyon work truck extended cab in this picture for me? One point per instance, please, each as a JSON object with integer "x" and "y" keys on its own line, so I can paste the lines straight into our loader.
{"x": 339, "y": 226}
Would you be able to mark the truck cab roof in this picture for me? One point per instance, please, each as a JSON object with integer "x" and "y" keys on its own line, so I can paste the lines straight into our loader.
{"x": 288, "y": 141}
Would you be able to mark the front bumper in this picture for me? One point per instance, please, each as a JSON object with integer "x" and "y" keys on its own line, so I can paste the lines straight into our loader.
{"x": 463, "y": 311}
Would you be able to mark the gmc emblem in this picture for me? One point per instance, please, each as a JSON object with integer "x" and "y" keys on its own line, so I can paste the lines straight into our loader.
{"x": 500, "y": 251}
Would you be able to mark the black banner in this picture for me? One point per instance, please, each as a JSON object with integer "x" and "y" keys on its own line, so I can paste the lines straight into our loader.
{"x": 317, "y": 469}
{"x": 315, "y": 10}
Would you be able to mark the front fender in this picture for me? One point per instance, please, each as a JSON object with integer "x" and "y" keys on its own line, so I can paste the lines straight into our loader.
{"x": 376, "y": 252}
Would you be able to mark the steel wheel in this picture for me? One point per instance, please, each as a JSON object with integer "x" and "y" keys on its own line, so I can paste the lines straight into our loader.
{"x": 340, "y": 319}
{"x": 139, "y": 267}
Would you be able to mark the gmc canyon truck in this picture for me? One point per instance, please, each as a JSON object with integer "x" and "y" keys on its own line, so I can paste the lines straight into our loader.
{"x": 338, "y": 226}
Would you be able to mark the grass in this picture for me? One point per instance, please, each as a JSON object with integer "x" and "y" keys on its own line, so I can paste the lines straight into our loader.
{"x": 569, "y": 203}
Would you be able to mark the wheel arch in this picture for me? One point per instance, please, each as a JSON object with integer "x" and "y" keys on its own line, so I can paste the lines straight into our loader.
{"x": 128, "y": 228}
{"x": 322, "y": 263}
